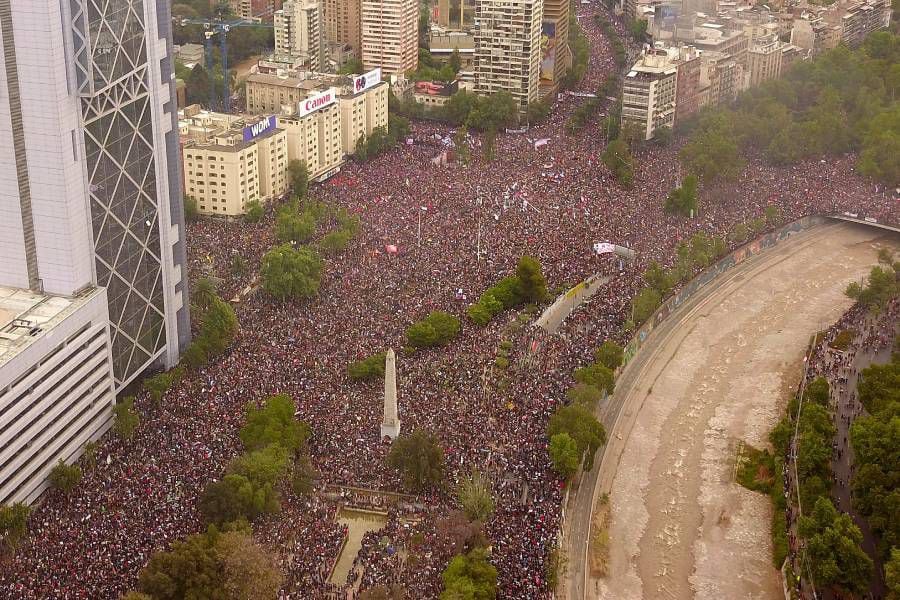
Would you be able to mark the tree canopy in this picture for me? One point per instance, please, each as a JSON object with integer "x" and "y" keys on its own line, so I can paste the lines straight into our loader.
{"x": 470, "y": 577}
{"x": 419, "y": 459}
{"x": 833, "y": 547}
{"x": 291, "y": 273}
{"x": 582, "y": 426}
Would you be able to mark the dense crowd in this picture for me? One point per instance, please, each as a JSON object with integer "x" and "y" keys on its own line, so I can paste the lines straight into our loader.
{"x": 552, "y": 202}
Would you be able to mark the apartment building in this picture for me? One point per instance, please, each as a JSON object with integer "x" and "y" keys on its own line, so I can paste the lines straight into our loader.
{"x": 648, "y": 92}
{"x": 389, "y": 35}
{"x": 299, "y": 32}
{"x": 342, "y": 23}
{"x": 314, "y": 134}
{"x": 361, "y": 101}
{"x": 765, "y": 59}
{"x": 556, "y": 56}
{"x": 230, "y": 161}
{"x": 508, "y": 48}
{"x": 687, "y": 83}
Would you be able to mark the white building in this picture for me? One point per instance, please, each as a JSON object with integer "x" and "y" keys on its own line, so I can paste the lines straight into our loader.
{"x": 648, "y": 92}
{"x": 299, "y": 32}
{"x": 56, "y": 384}
{"x": 90, "y": 197}
{"x": 508, "y": 48}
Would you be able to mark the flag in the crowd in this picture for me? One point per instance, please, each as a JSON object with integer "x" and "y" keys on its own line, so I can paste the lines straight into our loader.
{"x": 604, "y": 248}
{"x": 390, "y": 249}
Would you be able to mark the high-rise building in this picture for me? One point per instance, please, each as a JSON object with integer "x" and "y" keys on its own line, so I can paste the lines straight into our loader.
{"x": 299, "y": 32}
{"x": 92, "y": 282}
{"x": 508, "y": 48}
{"x": 458, "y": 15}
{"x": 390, "y": 35}
{"x": 764, "y": 59}
{"x": 91, "y": 192}
{"x": 342, "y": 23}
{"x": 687, "y": 84}
{"x": 556, "y": 56}
{"x": 648, "y": 93}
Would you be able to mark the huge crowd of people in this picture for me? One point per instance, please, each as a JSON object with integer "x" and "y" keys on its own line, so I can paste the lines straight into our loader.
{"x": 457, "y": 229}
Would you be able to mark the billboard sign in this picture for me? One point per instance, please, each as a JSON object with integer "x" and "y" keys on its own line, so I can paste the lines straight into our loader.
{"x": 314, "y": 103}
{"x": 548, "y": 51}
{"x": 364, "y": 82}
{"x": 264, "y": 125}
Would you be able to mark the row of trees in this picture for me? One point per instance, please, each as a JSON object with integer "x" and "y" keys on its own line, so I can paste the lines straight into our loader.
{"x": 274, "y": 448}
{"x": 574, "y": 432}
{"x": 527, "y": 285}
{"x": 842, "y": 101}
{"x": 381, "y": 139}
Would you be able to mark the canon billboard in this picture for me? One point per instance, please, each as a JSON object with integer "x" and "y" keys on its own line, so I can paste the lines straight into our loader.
{"x": 364, "y": 82}
{"x": 314, "y": 103}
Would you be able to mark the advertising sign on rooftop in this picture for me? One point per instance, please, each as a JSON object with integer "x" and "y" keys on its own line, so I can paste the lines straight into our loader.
{"x": 314, "y": 103}
{"x": 364, "y": 82}
{"x": 264, "y": 125}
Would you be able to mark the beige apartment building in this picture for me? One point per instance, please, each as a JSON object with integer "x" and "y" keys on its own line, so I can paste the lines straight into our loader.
{"x": 342, "y": 23}
{"x": 357, "y": 105}
{"x": 508, "y": 48}
{"x": 230, "y": 161}
{"x": 390, "y": 35}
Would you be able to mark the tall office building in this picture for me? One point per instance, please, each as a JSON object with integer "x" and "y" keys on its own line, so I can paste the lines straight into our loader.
{"x": 508, "y": 48}
{"x": 92, "y": 287}
{"x": 390, "y": 35}
{"x": 89, "y": 172}
{"x": 342, "y": 23}
{"x": 298, "y": 32}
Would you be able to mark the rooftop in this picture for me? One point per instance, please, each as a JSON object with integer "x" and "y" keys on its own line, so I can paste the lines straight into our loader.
{"x": 26, "y": 316}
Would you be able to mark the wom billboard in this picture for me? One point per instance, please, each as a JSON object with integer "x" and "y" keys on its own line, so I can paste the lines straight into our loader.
{"x": 264, "y": 125}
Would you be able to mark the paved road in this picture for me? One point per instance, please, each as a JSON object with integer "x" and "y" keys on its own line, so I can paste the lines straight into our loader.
{"x": 636, "y": 384}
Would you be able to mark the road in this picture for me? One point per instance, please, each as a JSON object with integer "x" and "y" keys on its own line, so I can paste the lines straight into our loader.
{"x": 717, "y": 371}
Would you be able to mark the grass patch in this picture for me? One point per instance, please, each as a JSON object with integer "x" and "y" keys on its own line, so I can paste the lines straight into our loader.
{"x": 842, "y": 340}
{"x": 599, "y": 543}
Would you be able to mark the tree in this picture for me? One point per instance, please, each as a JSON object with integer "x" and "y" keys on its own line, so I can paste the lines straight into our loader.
{"x": 226, "y": 566}
{"x": 597, "y": 375}
{"x": 190, "y": 209}
{"x": 470, "y": 576}
{"x": 461, "y": 143}
{"x": 235, "y": 497}
{"x": 197, "y": 86}
{"x": 353, "y": 66}
{"x": 248, "y": 572}
{"x": 645, "y": 303}
{"x": 89, "y": 456}
{"x": 369, "y": 368}
{"x": 712, "y": 152}
{"x": 474, "y": 494}
{"x": 460, "y": 106}
{"x": 127, "y": 418}
{"x": 833, "y": 546}
{"x": 892, "y": 574}
{"x": 437, "y": 329}
{"x": 683, "y": 200}
{"x": 294, "y": 227}
{"x": 13, "y": 524}
{"x": 418, "y": 458}
{"x": 262, "y": 467}
{"x": 617, "y": 158}
{"x": 65, "y": 477}
{"x": 238, "y": 266}
{"x": 158, "y": 385}
{"x": 880, "y": 287}
{"x": 582, "y": 426}
{"x": 658, "y": 278}
{"x": 290, "y": 273}
{"x": 455, "y": 60}
{"x": 303, "y": 476}
{"x": 585, "y": 394}
{"x": 203, "y": 293}
{"x": 254, "y": 212}
{"x": 564, "y": 455}
{"x": 637, "y": 29}
{"x": 532, "y": 284}
{"x": 493, "y": 113}
{"x": 274, "y": 423}
{"x": 133, "y": 595}
{"x": 610, "y": 355}
{"x": 299, "y": 176}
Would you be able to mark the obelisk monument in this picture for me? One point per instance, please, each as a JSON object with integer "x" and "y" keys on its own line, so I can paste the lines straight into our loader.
{"x": 390, "y": 427}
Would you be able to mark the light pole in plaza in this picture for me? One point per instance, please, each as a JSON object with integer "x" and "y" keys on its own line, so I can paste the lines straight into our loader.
{"x": 419, "y": 232}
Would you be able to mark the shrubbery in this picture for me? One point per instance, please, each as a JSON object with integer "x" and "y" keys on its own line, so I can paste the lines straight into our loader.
{"x": 527, "y": 285}
{"x": 367, "y": 368}
{"x": 437, "y": 329}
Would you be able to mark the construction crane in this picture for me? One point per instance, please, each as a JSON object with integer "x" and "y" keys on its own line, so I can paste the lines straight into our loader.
{"x": 220, "y": 28}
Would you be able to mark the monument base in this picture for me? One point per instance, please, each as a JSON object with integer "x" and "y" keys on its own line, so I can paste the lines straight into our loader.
{"x": 391, "y": 430}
